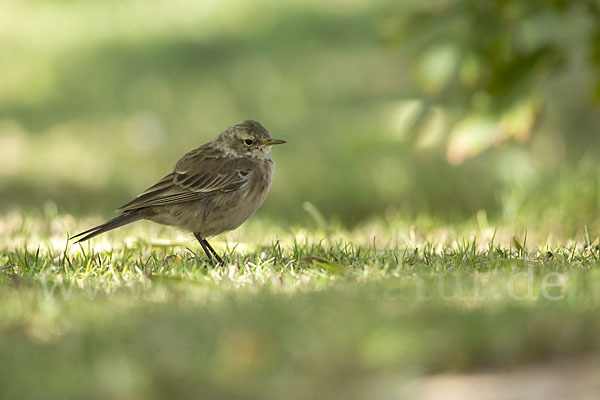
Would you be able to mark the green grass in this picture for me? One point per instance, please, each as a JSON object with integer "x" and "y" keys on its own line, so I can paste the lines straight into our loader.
{"x": 297, "y": 312}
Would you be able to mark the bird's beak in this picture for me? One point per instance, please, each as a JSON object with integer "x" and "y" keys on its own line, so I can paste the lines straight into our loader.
{"x": 271, "y": 142}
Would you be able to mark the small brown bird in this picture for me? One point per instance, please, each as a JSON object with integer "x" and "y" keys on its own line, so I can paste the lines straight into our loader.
{"x": 212, "y": 189}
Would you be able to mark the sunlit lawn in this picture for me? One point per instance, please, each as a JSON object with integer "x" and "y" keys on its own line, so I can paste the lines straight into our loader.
{"x": 297, "y": 312}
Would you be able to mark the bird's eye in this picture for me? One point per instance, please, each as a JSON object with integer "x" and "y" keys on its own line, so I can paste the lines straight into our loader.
{"x": 249, "y": 142}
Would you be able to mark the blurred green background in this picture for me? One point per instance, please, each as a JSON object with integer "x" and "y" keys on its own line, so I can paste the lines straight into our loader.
{"x": 443, "y": 108}
{"x": 456, "y": 139}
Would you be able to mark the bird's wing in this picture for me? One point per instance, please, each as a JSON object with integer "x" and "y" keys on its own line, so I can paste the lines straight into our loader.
{"x": 195, "y": 177}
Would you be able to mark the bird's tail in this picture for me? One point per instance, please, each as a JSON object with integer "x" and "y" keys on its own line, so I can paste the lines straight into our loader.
{"x": 123, "y": 219}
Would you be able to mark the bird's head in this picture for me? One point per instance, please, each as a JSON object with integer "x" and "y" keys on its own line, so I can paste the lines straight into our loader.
{"x": 248, "y": 139}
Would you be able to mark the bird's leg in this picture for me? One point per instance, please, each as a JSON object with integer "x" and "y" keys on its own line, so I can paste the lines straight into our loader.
{"x": 219, "y": 259}
{"x": 210, "y": 252}
{"x": 203, "y": 244}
